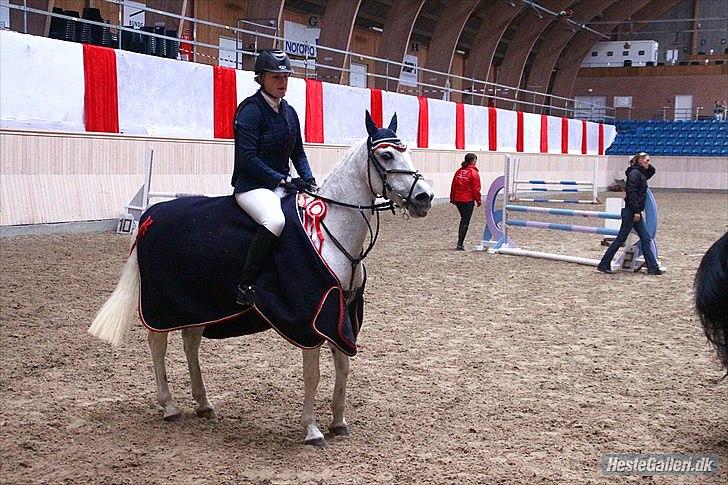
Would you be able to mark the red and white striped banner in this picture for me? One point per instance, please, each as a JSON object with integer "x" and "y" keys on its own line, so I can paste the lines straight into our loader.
{"x": 100, "y": 89}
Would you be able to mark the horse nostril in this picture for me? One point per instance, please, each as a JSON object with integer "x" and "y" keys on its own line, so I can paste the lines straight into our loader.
{"x": 423, "y": 197}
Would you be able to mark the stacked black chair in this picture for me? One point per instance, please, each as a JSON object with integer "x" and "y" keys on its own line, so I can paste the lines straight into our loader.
{"x": 161, "y": 49}
{"x": 70, "y": 26}
{"x": 90, "y": 33}
{"x": 58, "y": 25}
{"x": 107, "y": 39}
{"x": 149, "y": 42}
{"x": 172, "y": 45}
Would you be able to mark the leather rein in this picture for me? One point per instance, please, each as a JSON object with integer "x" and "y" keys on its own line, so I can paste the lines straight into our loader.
{"x": 374, "y": 208}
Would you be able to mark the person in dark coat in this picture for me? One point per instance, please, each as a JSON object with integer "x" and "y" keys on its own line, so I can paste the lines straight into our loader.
{"x": 464, "y": 194}
{"x": 638, "y": 172}
{"x": 267, "y": 138}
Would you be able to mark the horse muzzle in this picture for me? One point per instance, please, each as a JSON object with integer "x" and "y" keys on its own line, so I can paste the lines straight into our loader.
{"x": 419, "y": 204}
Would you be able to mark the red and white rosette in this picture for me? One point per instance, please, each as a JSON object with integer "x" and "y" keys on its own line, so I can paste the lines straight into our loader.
{"x": 314, "y": 213}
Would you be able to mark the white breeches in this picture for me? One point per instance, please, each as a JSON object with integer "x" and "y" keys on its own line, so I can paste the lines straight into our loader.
{"x": 264, "y": 206}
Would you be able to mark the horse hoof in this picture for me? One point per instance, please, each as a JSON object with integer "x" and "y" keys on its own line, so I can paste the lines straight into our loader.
{"x": 208, "y": 413}
{"x": 317, "y": 442}
{"x": 340, "y": 431}
{"x": 174, "y": 418}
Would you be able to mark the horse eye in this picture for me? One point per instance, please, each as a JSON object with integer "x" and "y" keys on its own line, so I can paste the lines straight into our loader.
{"x": 387, "y": 156}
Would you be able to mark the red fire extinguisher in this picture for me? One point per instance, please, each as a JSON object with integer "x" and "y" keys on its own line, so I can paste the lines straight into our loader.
{"x": 185, "y": 48}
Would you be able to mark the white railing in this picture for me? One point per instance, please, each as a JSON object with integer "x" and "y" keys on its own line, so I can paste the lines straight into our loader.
{"x": 474, "y": 91}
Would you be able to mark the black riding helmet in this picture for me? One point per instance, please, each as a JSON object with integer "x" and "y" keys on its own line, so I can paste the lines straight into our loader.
{"x": 272, "y": 60}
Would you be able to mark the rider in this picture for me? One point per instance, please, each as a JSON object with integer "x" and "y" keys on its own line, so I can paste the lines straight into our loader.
{"x": 267, "y": 136}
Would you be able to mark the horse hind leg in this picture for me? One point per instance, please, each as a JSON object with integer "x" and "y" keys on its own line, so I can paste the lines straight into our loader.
{"x": 338, "y": 426}
{"x": 311, "y": 378}
{"x": 158, "y": 346}
{"x": 191, "y": 338}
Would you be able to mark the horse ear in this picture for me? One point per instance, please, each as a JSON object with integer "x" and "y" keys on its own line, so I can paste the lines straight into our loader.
{"x": 393, "y": 123}
{"x": 371, "y": 126}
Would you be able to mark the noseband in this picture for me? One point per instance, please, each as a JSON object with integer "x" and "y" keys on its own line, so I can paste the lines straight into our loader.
{"x": 384, "y": 172}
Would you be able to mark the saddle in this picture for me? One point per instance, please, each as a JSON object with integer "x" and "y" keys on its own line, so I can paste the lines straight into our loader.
{"x": 191, "y": 252}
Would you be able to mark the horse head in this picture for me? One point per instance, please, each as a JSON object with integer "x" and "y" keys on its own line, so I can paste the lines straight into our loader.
{"x": 397, "y": 179}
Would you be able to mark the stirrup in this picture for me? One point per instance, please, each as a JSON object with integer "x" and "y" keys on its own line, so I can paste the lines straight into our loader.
{"x": 246, "y": 295}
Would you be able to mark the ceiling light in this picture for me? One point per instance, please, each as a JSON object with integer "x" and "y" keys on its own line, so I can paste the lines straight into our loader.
{"x": 377, "y": 29}
{"x": 461, "y": 52}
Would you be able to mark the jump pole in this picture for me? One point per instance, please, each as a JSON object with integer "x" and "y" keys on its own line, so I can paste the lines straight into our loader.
{"x": 626, "y": 260}
{"x": 562, "y": 186}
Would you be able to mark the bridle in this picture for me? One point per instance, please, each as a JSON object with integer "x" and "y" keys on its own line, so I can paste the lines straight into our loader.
{"x": 387, "y": 191}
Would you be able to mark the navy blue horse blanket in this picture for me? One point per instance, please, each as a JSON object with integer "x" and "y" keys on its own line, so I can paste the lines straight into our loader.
{"x": 191, "y": 252}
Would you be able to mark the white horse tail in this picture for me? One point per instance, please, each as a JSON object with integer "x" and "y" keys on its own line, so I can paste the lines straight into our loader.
{"x": 116, "y": 317}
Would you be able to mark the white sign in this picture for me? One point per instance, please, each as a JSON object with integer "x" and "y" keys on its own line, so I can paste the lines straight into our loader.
{"x": 409, "y": 71}
{"x": 134, "y": 14}
{"x": 300, "y": 40}
{"x": 358, "y": 75}
{"x": 227, "y": 57}
{"x": 623, "y": 101}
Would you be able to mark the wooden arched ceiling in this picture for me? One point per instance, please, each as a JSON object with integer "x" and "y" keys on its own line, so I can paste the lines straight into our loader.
{"x": 530, "y": 25}
{"x": 444, "y": 41}
{"x": 336, "y": 28}
{"x": 571, "y": 59}
{"x": 530, "y": 49}
{"x": 497, "y": 16}
{"x": 553, "y": 43}
{"x": 400, "y": 21}
{"x": 271, "y": 10}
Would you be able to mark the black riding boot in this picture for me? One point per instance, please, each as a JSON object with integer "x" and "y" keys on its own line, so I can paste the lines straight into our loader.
{"x": 259, "y": 254}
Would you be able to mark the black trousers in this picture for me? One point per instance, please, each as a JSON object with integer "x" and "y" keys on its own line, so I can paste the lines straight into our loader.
{"x": 466, "y": 212}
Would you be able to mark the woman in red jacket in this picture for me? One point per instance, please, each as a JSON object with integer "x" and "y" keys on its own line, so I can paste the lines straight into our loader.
{"x": 465, "y": 193}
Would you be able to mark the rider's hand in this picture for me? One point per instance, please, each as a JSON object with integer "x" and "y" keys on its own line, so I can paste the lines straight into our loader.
{"x": 311, "y": 185}
{"x": 296, "y": 184}
{"x": 637, "y": 217}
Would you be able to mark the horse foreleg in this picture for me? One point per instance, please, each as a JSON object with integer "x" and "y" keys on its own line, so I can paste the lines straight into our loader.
{"x": 338, "y": 425}
{"x": 311, "y": 378}
{"x": 191, "y": 338}
{"x": 158, "y": 346}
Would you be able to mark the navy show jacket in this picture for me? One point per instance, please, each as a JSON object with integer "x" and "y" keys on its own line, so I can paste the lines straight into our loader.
{"x": 265, "y": 141}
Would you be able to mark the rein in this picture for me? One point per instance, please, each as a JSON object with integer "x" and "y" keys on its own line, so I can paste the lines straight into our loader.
{"x": 375, "y": 208}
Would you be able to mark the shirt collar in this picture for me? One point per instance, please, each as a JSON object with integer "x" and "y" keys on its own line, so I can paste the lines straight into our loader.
{"x": 272, "y": 102}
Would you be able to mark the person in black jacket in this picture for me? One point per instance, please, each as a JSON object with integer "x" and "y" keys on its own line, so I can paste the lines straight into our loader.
{"x": 638, "y": 172}
{"x": 267, "y": 136}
